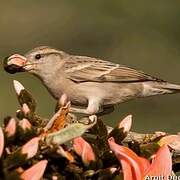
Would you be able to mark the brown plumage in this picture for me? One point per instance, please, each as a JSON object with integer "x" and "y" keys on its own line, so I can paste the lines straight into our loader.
{"x": 86, "y": 81}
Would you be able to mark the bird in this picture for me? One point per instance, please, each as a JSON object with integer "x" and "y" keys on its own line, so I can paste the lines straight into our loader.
{"x": 92, "y": 85}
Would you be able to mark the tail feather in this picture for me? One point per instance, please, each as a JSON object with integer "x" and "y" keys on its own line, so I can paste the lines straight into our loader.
{"x": 173, "y": 88}
{"x": 155, "y": 88}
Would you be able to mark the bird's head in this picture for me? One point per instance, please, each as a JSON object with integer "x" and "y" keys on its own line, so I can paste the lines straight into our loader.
{"x": 38, "y": 61}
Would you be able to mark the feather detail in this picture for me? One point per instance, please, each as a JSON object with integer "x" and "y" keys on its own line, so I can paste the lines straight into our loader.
{"x": 86, "y": 69}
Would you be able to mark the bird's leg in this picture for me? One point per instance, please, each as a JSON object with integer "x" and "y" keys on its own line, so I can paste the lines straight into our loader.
{"x": 93, "y": 108}
{"x": 78, "y": 110}
{"x": 106, "y": 110}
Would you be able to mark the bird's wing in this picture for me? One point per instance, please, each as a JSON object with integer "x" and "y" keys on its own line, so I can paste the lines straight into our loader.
{"x": 85, "y": 69}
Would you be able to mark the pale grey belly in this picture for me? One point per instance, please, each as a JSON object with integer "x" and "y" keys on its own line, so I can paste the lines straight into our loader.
{"x": 108, "y": 93}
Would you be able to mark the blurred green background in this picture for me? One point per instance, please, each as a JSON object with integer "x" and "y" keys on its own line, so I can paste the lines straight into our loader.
{"x": 141, "y": 34}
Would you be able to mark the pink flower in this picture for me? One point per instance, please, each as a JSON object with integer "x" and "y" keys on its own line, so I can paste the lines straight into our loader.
{"x": 10, "y": 129}
{"x": 1, "y": 141}
{"x": 35, "y": 172}
{"x": 83, "y": 149}
{"x": 31, "y": 147}
{"x": 25, "y": 109}
{"x": 18, "y": 87}
{"x": 173, "y": 141}
{"x": 138, "y": 168}
{"x": 25, "y": 124}
{"x": 126, "y": 123}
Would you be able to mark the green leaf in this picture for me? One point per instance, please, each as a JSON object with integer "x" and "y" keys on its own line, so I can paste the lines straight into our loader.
{"x": 68, "y": 133}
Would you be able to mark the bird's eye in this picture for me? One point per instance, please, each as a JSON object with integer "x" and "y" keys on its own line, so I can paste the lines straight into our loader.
{"x": 38, "y": 56}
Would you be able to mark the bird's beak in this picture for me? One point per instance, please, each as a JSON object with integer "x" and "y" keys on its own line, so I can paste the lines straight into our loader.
{"x": 15, "y": 63}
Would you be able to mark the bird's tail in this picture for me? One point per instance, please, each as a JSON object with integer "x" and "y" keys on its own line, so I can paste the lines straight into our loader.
{"x": 155, "y": 88}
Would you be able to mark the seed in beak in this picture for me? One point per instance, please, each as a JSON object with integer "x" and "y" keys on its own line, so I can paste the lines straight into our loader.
{"x": 17, "y": 59}
{"x": 14, "y": 63}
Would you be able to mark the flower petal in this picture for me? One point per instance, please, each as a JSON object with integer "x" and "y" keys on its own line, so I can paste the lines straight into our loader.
{"x": 25, "y": 109}
{"x": 31, "y": 147}
{"x": 126, "y": 123}
{"x": 65, "y": 154}
{"x": 83, "y": 149}
{"x": 18, "y": 87}
{"x": 1, "y": 141}
{"x": 127, "y": 170}
{"x": 126, "y": 154}
{"x": 63, "y": 100}
{"x": 35, "y": 172}
{"x": 25, "y": 124}
{"x": 145, "y": 163}
{"x": 161, "y": 164}
{"x": 10, "y": 128}
{"x": 172, "y": 141}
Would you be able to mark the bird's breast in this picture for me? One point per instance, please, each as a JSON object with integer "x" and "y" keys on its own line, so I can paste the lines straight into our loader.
{"x": 60, "y": 86}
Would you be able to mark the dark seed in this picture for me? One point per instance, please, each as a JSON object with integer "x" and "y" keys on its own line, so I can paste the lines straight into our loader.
{"x": 11, "y": 68}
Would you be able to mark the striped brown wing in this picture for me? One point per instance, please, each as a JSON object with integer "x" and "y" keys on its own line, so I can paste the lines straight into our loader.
{"x": 85, "y": 69}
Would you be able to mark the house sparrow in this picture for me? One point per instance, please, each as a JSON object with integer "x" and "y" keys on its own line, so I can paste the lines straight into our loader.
{"x": 92, "y": 83}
